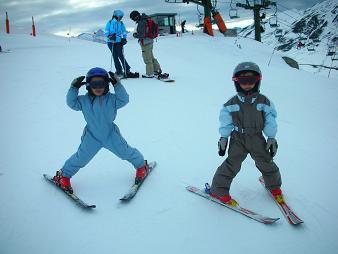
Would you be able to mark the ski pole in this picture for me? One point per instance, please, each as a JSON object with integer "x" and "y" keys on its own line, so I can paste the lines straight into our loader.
{"x": 124, "y": 62}
{"x": 111, "y": 60}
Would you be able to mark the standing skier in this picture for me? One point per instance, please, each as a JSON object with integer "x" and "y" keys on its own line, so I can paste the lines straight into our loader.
{"x": 99, "y": 108}
{"x": 244, "y": 117}
{"x": 146, "y": 31}
{"x": 116, "y": 39}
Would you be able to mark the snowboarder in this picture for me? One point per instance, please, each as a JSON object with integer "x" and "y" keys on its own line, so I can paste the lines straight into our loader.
{"x": 99, "y": 108}
{"x": 116, "y": 39}
{"x": 146, "y": 31}
{"x": 244, "y": 117}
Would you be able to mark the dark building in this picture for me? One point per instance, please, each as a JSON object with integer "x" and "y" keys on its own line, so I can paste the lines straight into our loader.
{"x": 166, "y": 22}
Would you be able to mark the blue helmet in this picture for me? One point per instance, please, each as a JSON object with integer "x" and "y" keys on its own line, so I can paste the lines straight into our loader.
{"x": 118, "y": 13}
{"x": 97, "y": 72}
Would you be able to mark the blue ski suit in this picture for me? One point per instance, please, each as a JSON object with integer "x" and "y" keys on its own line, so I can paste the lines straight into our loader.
{"x": 99, "y": 113}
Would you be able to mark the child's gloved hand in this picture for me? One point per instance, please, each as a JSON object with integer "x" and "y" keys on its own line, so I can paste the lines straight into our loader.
{"x": 77, "y": 83}
{"x": 271, "y": 146}
{"x": 114, "y": 79}
{"x": 124, "y": 41}
{"x": 222, "y": 146}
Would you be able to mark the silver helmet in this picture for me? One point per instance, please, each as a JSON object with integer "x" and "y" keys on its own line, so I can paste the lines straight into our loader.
{"x": 244, "y": 67}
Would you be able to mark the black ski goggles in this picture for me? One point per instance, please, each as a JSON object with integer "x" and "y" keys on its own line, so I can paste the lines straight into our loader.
{"x": 247, "y": 79}
{"x": 97, "y": 84}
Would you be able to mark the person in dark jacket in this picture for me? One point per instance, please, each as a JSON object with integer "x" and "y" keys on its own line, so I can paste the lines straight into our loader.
{"x": 153, "y": 68}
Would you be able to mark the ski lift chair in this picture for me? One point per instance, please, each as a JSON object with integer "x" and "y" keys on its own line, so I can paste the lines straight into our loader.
{"x": 311, "y": 47}
{"x": 233, "y": 13}
{"x": 278, "y": 33}
{"x": 273, "y": 21}
{"x": 331, "y": 50}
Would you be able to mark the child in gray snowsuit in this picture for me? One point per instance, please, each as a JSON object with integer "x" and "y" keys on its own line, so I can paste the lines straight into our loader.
{"x": 244, "y": 117}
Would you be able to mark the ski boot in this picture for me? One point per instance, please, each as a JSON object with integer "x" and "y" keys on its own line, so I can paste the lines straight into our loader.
{"x": 278, "y": 196}
{"x": 148, "y": 76}
{"x": 141, "y": 173}
{"x": 226, "y": 199}
{"x": 160, "y": 75}
{"x": 132, "y": 74}
{"x": 62, "y": 182}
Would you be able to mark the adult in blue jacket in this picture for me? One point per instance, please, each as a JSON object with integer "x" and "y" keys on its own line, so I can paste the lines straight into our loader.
{"x": 99, "y": 108}
{"x": 116, "y": 34}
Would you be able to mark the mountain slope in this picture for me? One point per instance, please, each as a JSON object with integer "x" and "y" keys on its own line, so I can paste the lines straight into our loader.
{"x": 176, "y": 125}
{"x": 315, "y": 27}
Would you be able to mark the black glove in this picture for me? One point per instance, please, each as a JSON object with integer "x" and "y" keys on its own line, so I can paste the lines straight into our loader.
{"x": 135, "y": 35}
{"x": 124, "y": 41}
{"x": 112, "y": 37}
{"x": 222, "y": 146}
{"x": 77, "y": 83}
{"x": 271, "y": 146}
{"x": 114, "y": 79}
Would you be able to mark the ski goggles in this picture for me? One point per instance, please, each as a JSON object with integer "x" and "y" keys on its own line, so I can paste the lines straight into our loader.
{"x": 247, "y": 79}
{"x": 98, "y": 84}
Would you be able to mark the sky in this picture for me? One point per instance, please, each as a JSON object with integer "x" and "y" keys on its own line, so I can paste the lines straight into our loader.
{"x": 76, "y": 16}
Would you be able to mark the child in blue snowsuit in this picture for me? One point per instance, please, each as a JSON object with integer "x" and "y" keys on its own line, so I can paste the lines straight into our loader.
{"x": 99, "y": 108}
{"x": 116, "y": 38}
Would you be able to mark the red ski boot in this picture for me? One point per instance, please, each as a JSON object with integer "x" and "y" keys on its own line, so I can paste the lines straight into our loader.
{"x": 63, "y": 182}
{"x": 141, "y": 173}
{"x": 226, "y": 199}
{"x": 277, "y": 194}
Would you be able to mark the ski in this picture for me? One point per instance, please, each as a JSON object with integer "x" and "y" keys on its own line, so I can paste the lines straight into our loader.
{"x": 135, "y": 187}
{"x": 288, "y": 213}
{"x": 252, "y": 215}
{"x": 73, "y": 197}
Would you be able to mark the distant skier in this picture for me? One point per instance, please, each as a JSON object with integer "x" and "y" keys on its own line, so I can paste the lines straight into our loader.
{"x": 244, "y": 117}
{"x": 300, "y": 45}
{"x": 116, "y": 39}
{"x": 99, "y": 108}
{"x": 146, "y": 31}
{"x": 183, "y": 26}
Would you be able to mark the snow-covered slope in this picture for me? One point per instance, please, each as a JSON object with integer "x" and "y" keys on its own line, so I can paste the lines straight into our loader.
{"x": 315, "y": 27}
{"x": 174, "y": 124}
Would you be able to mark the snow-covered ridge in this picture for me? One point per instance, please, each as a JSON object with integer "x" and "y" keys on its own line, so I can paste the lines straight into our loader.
{"x": 315, "y": 28}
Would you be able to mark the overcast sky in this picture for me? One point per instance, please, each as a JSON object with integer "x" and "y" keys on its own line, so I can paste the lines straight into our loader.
{"x": 78, "y": 16}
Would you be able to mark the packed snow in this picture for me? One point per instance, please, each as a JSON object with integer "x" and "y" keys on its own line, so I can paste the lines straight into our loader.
{"x": 175, "y": 124}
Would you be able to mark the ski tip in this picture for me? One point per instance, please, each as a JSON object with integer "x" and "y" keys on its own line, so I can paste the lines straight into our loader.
{"x": 125, "y": 200}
